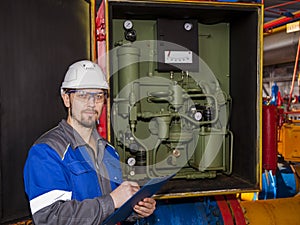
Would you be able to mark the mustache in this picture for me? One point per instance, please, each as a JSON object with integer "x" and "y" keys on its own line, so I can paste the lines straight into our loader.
{"x": 90, "y": 110}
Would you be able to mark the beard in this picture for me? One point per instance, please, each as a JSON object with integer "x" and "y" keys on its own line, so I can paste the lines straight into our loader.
{"x": 87, "y": 121}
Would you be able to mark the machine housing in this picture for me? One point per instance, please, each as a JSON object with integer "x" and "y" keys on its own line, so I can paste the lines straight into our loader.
{"x": 185, "y": 93}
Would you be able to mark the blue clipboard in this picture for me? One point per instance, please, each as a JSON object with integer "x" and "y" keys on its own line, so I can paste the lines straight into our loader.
{"x": 149, "y": 189}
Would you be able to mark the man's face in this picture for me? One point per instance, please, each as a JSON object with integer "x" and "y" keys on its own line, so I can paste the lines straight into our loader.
{"x": 86, "y": 106}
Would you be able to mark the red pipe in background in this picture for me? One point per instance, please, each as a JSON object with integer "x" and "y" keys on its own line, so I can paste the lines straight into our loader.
{"x": 101, "y": 59}
{"x": 102, "y": 126}
{"x": 282, "y": 4}
{"x": 280, "y": 22}
{"x": 269, "y": 138}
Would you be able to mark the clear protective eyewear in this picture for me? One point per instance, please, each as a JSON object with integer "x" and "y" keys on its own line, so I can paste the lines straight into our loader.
{"x": 85, "y": 96}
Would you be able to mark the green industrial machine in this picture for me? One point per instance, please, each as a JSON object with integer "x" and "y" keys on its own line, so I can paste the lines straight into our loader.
{"x": 173, "y": 88}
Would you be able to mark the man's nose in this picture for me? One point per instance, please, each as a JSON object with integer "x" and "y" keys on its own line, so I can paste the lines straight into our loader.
{"x": 91, "y": 100}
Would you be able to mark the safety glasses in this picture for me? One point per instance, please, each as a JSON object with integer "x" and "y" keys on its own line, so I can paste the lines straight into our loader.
{"x": 85, "y": 96}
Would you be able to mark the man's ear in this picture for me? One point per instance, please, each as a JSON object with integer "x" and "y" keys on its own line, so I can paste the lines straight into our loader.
{"x": 66, "y": 100}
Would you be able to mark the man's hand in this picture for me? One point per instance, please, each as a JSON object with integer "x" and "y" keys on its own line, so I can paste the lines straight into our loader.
{"x": 145, "y": 207}
{"x": 124, "y": 192}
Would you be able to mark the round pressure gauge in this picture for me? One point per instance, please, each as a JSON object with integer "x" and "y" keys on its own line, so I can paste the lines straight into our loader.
{"x": 128, "y": 24}
{"x": 131, "y": 161}
{"x": 198, "y": 116}
{"x": 188, "y": 26}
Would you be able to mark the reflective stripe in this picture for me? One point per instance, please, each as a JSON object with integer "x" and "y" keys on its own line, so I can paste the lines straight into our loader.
{"x": 48, "y": 198}
{"x": 113, "y": 149}
{"x": 65, "y": 151}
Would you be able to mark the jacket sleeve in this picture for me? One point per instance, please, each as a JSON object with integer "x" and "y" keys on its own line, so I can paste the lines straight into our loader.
{"x": 89, "y": 211}
{"x": 48, "y": 187}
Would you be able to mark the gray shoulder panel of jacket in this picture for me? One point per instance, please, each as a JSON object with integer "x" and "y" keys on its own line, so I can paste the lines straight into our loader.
{"x": 56, "y": 139}
{"x": 86, "y": 212}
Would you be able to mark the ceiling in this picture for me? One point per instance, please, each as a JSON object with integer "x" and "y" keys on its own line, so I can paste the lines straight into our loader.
{"x": 275, "y": 9}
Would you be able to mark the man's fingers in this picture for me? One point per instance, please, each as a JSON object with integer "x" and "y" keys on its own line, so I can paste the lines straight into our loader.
{"x": 146, "y": 207}
{"x": 122, "y": 193}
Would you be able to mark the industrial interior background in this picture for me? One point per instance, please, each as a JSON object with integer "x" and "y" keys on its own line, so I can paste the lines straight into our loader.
{"x": 40, "y": 38}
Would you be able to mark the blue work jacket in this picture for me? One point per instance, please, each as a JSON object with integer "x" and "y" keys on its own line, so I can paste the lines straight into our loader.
{"x": 61, "y": 167}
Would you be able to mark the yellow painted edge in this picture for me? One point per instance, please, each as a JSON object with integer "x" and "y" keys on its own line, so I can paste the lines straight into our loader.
{"x": 275, "y": 30}
{"x": 191, "y": 1}
{"x": 201, "y": 194}
{"x": 259, "y": 167}
{"x": 93, "y": 30}
{"x": 260, "y": 101}
{"x": 107, "y": 67}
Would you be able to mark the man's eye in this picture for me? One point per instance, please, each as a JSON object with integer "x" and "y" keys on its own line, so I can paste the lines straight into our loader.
{"x": 82, "y": 95}
{"x": 98, "y": 96}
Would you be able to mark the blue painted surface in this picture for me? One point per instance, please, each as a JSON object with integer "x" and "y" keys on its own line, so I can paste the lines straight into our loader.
{"x": 280, "y": 185}
{"x": 269, "y": 189}
{"x": 191, "y": 211}
{"x": 286, "y": 182}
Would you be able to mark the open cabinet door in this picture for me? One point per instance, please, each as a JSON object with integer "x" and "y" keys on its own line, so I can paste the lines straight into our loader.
{"x": 39, "y": 39}
{"x": 101, "y": 60}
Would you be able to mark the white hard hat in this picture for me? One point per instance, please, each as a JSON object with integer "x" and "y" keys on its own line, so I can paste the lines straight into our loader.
{"x": 84, "y": 74}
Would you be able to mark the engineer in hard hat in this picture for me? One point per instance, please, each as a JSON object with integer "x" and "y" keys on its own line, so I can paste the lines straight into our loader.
{"x": 72, "y": 175}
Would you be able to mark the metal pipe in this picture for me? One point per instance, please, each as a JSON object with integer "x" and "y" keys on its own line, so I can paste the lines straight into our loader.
{"x": 230, "y": 154}
{"x": 280, "y": 40}
{"x": 280, "y": 47}
{"x": 281, "y": 21}
{"x": 280, "y": 211}
{"x": 282, "y": 4}
{"x": 294, "y": 75}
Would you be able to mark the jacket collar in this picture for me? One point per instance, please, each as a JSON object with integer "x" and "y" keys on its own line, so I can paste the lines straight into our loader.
{"x": 75, "y": 139}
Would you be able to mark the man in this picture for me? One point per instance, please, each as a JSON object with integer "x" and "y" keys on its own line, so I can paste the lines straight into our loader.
{"x": 72, "y": 175}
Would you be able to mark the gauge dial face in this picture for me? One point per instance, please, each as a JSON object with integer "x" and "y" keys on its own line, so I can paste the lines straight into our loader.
{"x": 178, "y": 57}
{"x": 188, "y": 26}
{"x": 128, "y": 24}
{"x": 131, "y": 161}
{"x": 198, "y": 116}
